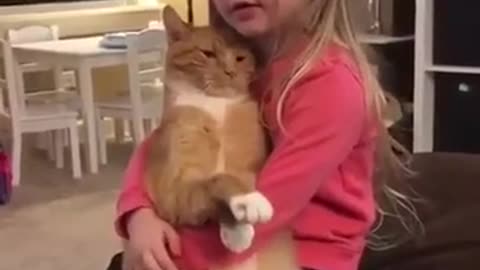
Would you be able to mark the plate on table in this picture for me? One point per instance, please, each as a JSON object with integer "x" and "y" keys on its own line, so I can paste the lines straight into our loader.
{"x": 114, "y": 40}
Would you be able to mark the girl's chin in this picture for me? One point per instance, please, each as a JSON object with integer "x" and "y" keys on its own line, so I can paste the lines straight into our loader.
{"x": 251, "y": 29}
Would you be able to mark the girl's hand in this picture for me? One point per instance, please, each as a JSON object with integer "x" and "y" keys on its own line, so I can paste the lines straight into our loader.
{"x": 147, "y": 247}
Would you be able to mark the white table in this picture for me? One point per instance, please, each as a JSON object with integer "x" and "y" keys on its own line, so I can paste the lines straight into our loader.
{"x": 82, "y": 55}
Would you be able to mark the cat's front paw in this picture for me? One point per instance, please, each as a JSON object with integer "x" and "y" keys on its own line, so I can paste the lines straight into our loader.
{"x": 237, "y": 238}
{"x": 251, "y": 208}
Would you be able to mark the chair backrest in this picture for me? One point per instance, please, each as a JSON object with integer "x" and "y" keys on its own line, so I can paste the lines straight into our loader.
{"x": 147, "y": 41}
{"x": 9, "y": 82}
{"x": 145, "y": 48}
{"x": 33, "y": 33}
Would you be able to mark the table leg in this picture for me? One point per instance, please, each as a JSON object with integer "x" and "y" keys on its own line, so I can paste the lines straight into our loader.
{"x": 85, "y": 84}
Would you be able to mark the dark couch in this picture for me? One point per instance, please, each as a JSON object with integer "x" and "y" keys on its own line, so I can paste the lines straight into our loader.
{"x": 449, "y": 185}
{"x": 450, "y": 211}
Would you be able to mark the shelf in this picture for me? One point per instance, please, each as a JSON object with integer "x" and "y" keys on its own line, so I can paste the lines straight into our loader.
{"x": 453, "y": 69}
{"x": 375, "y": 39}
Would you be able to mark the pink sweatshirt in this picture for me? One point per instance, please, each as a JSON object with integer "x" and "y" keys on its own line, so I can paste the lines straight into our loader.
{"x": 318, "y": 177}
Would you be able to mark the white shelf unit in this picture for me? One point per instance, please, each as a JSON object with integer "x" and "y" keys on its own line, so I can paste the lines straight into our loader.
{"x": 452, "y": 69}
{"x": 425, "y": 69}
{"x": 375, "y": 39}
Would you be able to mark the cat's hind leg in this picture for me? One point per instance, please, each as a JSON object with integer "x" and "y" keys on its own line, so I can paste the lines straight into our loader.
{"x": 242, "y": 207}
{"x": 237, "y": 237}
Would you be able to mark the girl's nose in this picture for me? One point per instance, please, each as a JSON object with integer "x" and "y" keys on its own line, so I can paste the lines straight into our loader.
{"x": 230, "y": 73}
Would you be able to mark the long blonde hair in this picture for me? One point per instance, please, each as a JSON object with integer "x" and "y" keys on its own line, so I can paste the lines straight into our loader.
{"x": 329, "y": 21}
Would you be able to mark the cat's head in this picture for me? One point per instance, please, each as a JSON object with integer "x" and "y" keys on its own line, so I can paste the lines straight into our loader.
{"x": 205, "y": 59}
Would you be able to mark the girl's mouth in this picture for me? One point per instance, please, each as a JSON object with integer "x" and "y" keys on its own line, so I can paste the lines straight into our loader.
{"x": 244, "y": 4}
{"x": 245, "y": 10}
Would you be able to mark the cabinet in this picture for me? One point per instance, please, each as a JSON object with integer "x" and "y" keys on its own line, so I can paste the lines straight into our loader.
{"x": 393, "y": 51}
{"x": 447, "y": 76}
{"x": 456, "y": 125}
{"x": 391, "y": 18}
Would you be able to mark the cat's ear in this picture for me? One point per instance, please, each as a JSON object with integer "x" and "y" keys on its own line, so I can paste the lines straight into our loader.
{"x": 176, "y": 28}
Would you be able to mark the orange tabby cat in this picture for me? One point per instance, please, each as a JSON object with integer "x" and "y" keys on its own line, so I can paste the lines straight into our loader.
{"x": 205, "y": 156}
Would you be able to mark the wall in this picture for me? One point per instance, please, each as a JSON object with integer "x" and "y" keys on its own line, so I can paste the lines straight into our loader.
{"x": 86, "y": 22}
{"x": 201, "y": 12}
{"x": 200, "y": 8}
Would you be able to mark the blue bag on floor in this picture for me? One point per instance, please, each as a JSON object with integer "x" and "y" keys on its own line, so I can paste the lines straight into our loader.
{"x": 5, "y": 177}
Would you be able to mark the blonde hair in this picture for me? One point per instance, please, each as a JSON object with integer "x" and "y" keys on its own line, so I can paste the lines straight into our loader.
{"x": 329, "y": 21}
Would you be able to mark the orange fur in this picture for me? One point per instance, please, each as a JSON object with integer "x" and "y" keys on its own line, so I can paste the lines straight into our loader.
{"x": 183, "y": 174}
{"x": 211, "y": 144}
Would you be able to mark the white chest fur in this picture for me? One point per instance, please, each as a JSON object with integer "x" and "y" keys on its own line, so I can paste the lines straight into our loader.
{"x": 215, "y": 106}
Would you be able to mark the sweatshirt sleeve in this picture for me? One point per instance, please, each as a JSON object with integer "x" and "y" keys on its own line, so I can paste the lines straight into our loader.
{"x": 324, "y": 119}
{"x": 133, "y": 195}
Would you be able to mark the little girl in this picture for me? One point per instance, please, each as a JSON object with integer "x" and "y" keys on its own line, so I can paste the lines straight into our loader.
{"x": 323, "y": 109}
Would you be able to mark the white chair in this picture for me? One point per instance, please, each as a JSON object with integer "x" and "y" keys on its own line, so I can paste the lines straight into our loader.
{"x": 144, "y": 98}
{"x": 120, "y": 126}
{"x": 35, "y": 118}
{"x": 33, "y": 33}
{"x": 63, "y": 79}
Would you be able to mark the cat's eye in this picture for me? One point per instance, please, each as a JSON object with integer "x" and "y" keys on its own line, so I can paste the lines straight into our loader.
{"x": 208, "y": 54}
{"x": 240, "y": 58}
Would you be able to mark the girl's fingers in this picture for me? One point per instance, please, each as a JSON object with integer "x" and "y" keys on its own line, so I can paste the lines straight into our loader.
{"x": 128, "y": 262}
{"x": 173, "y": 241}
{"x": 129, "y": 265}
{"x": 149, "y": 262}
{"x": 136, "y": 267}
{"x": 162, "y": 258}
{"x": 167, "y": 264}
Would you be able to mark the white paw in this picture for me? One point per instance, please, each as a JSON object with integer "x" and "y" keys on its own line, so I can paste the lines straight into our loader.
{"x": 237, "y": 238}
{"x": 251, "y": 208}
